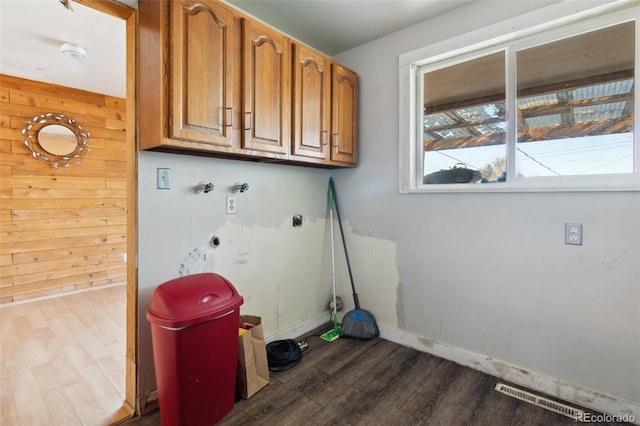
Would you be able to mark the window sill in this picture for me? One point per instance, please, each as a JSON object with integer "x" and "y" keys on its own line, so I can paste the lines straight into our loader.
{"x": 614, "y": 184}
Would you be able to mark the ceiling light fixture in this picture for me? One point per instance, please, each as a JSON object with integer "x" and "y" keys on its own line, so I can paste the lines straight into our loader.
{"x": 73, "y": 51}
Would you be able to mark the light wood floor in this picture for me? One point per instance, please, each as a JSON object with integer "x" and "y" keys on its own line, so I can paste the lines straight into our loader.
{"x": 377, "y": 382}
{"x": 62, "y": 360}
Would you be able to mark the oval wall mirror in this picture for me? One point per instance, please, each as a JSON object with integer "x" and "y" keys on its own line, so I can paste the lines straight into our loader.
{"x": 57, "y": 139}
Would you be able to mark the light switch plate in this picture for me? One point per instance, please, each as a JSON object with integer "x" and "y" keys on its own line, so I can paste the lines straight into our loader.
{"x": 164, "y": 178}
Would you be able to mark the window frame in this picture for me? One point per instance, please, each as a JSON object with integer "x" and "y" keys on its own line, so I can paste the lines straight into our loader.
{"x": 450, "y": 52}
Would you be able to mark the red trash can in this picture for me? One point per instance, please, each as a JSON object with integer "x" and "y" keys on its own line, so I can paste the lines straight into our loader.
{"x": 194, "y": 332}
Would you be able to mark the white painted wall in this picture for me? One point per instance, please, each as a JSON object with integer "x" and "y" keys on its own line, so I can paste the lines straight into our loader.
{"x": 282, "y": 272}
{"x": 490, "y": 273}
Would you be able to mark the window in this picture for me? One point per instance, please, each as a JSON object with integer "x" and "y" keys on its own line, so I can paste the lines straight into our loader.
{"x": 464, "y": 121}
{"x": 552, "y": 110}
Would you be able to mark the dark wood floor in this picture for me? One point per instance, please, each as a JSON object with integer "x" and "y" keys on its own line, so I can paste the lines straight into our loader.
{"x": 377, "y": 382}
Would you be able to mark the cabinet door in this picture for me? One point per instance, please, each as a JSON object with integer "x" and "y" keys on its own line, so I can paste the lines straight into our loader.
{"x": 266, "y": 89}
{"x": 201, "y": 72}
{"x": 311, "y": 103}
{"x": 344, "y": 116}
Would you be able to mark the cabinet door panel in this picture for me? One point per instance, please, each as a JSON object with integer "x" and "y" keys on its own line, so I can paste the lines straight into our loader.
{"x": 344, "y": 118}
{"x": 311, "y": 103}
{"x": 202, "y": 69}
{"x": 266, "y": 88}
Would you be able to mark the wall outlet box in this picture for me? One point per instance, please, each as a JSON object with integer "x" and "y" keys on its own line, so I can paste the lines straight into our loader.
{"x": 573, "y": 233}
{"x": 164, "y": 178}
{"x": 232, "y": 208}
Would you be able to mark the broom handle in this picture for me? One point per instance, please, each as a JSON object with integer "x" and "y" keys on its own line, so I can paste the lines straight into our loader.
{"x": 333, "y": 268}
{"x": 344, "y": 243}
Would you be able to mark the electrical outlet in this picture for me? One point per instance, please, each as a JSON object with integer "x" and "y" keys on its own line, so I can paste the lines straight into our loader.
{"x": 573, "y": 233}
{"x": 232, "y": 208}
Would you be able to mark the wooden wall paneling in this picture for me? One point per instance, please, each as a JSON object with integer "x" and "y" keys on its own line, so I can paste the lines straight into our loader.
{"x": 118, "y": 125}
{"x": 5, "y": 259}
{"x": 62, "y": 229}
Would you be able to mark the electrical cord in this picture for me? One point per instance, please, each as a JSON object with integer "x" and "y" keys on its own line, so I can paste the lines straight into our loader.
{"x": 283, "y": 354}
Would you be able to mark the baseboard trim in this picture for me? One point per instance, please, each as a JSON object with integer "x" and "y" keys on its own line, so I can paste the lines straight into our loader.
{"x": 60, "y": 294}
{"x": 530, "y": 379}
{"x": 301, "y": 328}
{"x": 148, "y": 402}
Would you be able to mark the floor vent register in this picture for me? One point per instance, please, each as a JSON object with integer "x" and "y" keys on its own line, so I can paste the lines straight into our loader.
{"x": 556, "y": 407}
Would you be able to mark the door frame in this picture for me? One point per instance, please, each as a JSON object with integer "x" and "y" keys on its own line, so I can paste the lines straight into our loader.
{"x": 129, "y": 15}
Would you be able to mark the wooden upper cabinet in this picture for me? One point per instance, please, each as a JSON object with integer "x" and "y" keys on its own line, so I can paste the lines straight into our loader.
{"x": 311, "y": 103}
{"x": 266, "y": 79}
{"x": 213, "y": 81}
{"x": 201, "y": 72}
{"x": 344, "y": 116}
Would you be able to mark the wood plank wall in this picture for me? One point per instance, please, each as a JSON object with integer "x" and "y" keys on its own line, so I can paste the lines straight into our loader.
{"x": 61, "y": 229}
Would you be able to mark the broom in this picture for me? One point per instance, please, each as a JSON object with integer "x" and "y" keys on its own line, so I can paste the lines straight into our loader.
{"x": 334, "y": 333}
{"x": 357, "y": 323}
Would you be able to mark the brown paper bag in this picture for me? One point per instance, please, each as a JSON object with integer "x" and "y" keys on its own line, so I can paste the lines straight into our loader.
{"x": 253, "y": 370}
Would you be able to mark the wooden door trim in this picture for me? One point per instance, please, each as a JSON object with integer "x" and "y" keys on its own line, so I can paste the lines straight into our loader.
{"x": 128, "y": 14}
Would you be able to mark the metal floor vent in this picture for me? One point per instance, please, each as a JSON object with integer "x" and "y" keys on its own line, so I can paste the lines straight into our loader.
{"x": 573, "y": 413}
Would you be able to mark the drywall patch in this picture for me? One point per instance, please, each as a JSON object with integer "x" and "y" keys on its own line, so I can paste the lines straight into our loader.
{"x": 276, "y": 306}
{"x": 240, "y": 257}
{"x": 609, "y": 265}
{"x": 400, "y": 306}
{"x": 427, "y": 343}
{"x": 282, "y": 273}
{"x": 195, "y": 261}
{"x": 373, "y": 263}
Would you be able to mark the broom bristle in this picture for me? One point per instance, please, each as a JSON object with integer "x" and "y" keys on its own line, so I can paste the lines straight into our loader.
{"x": 359, "y": 324}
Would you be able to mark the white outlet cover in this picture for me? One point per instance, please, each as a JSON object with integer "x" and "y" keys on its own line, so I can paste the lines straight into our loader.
{"x": 164, "y": 178}
{"x": 232, "y": 207}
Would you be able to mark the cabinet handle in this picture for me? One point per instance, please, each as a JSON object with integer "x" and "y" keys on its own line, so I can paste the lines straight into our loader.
{"x": 324, "y": 137}
{"x": 249, "y": 121}
{"x": 229, "y": 117}
{"x": 335, "y": 136}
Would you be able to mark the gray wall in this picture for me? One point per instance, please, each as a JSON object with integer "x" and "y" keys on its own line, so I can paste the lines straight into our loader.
{"x": 490, "y": 273}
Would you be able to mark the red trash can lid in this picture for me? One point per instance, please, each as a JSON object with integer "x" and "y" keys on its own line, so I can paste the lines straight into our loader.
{"x": 191, "y": 300}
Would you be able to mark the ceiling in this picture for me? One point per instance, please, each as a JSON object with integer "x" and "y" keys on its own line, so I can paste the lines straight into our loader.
{"x": 32, "y": 31}
{"x": 334, "y": 26}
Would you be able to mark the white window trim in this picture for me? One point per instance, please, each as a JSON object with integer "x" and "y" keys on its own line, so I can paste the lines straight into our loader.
{"x": 532, "y": 28}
